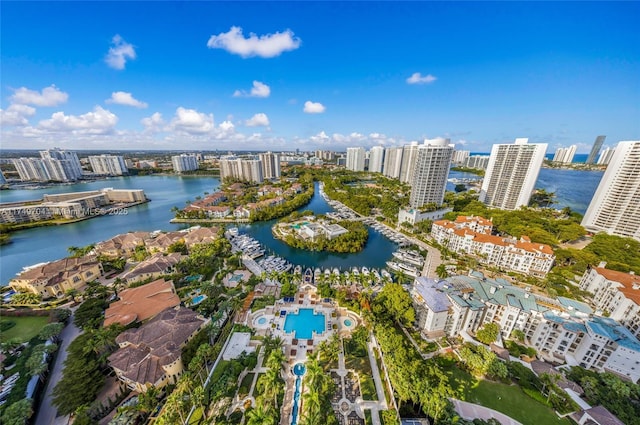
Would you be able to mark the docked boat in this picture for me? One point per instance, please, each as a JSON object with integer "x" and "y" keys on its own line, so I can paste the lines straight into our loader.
{"x": 411, "y": 258}
{"x": 386, "y": 275}
{"x": 316, "y": 274}
{"x": 407, "y": 269}
{"x": 297, "y": 269}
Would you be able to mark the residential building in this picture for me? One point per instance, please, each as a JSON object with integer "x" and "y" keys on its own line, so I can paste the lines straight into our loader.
{"x": 184, "y": 162}
{"x": 53, "y": 165}
{"x": 598, "y": 415}
{"x": 511, "y": 174}
{"x": 141, "y": 303}
{"x": 109, "y": 165}
{"x": 615, "y": 207}
{"x": 123, "y": 245}
{"x": 409, "y": 155}
{"x": 472, "y": 236}
{"x": 241, "y": 169}
{"x": 565, "y": 155}
{"x": 605, "y": 156}
{"x": 153, "y": 267}
{"x": 252, "y": 170}
{"x": 460, "y": 157}
{"x": 54, "y": 279}
{"x": 595, "y": 149}
{"x": 355, "y": 159}
{"x": 561, "y": 330}
{"x": 414, "y": 216}
{"x": 151, "y": 354}
{"x": 431, "y": 170}
{"x": 67, "y": 160}
{"x": 392, "y": 162}
{"x": 270, "y": 165}
{"x": 376, "y": 159}
{"x": 615, "y": 294}
{"x": 479, "y": 162}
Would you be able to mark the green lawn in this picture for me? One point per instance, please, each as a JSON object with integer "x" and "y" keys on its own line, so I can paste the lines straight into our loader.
{"x": 508, "y": 399}
{"x": 25, "y": 328}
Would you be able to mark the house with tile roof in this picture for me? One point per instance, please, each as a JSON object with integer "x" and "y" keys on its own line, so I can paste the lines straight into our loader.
{"x": 53, "y": 279}
{"x": 200, "y": 235}
{"x": 141, "y": 303}
{"x": 616, "y": 293}
{"x": 157, "y": 265}
{"x": 472, "y": 236}
{"x": 122, "y": 245}
{"x": 151, "y": 354}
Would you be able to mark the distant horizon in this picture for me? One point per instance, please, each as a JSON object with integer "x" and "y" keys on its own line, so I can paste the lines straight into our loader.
{"x": 274, "y": 76}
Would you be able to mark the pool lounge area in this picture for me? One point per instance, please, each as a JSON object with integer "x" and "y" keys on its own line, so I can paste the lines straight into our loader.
{"x": 305, "y": 323}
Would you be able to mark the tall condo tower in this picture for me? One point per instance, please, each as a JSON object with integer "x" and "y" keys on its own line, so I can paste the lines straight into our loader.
{"x": 392, "y": 162}
{"x": 512, "y": 173}
{"x": 565, "y": 155}
{"x": 615, "y": 207}
{"x": 376, "y": 155}
{"x": 270, "y": 165}
{"x": 595, "y": 150}
{"x": 355, "y": 159}
{"x": 433, "y": 159}
{"x": 409, "y": 154}
{"x": 184, "y": 162}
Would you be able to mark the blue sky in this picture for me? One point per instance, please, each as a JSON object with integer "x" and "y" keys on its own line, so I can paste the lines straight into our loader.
{"x": 278, "y": 75}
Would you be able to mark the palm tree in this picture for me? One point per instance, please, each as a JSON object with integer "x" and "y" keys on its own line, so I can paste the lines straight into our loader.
{"x": 314, "y": 375}
{"x": 312, "y": 402}
{"x": 441, "y": 271}
{"x": 260, "y": 416}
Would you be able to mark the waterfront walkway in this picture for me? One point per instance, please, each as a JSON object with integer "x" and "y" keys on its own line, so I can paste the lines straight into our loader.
{"x": 470, "y": 411}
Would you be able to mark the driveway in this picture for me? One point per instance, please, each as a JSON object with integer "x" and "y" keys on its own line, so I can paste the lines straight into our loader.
{"x": 47, "y": 413}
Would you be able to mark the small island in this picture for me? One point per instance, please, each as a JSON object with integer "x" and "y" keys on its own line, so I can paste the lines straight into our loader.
{"x": 321, "y": 233}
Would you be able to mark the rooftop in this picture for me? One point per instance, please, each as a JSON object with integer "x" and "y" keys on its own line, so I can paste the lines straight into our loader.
{"x": 142, "y": 303}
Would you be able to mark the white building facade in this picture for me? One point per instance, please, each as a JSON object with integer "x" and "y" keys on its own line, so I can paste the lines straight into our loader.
{"x": 109, "y": 165}
{"x": 184, "y": 162}
{"x": 376, "y": 159}
{"x": 355, "y": 159}
{"x": 431, "y": 170}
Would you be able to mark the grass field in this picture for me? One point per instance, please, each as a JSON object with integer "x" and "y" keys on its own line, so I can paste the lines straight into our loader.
{"x": 25, "y": 328}
{"x": 508, "y": 399}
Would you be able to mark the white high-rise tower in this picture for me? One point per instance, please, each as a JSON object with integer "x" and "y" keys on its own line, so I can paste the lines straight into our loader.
{"x": 512, "y": 173}
{"x": 355, "y": 159}
{"x": 615, "y": 207}
{"x": 433, "y": 159}
{"x": 376, "y": 155}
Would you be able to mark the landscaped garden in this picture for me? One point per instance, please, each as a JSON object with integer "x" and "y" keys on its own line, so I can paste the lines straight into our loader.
{"x": 21, "y": 328}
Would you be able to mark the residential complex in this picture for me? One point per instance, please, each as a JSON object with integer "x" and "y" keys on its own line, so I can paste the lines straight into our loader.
{"x": 605, "y": 156}
{"x": 615, "y": 294}
{"x": 141, "y": 303}
{"x": 565, "y": 155}
{"x": 472, "y": 236}
{"x": 561, "y": 330}
{"x": 479, "y": 162}
{"x": 615, "y": 207}
{"x": 53, "y": 165}
{"x": 376, "y": 159}
{"x": 151, "y": 355}
{"x": 460, "y": 157}
{"x": 241, "y": 169}
{"x": 184, "y": 162}
{"x": 511, "y": 174}
{"x": 595, "y": 149}
{"x": 409, "y": 155}
{"x": 108, "y": 165}
{"x": 270, "y": 165}
{"x": 431, "y": 170}
{"x": 355, "y": 159}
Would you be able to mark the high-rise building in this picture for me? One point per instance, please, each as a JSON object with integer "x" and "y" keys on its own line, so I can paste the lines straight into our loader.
{"x": 565, "y": 155}
{"x": 409, "y": 154}
{"x": 459, "y": 157}
{"x": 433, "y": 159}
{"x": 392, "y": 162}
{"x": 595, "y": 150}
{"x": 252, "y": 170}
{"x": 110, "y": 165}
{"x": 478, "y": 162}
{"x": 615, "y": 207}
{"x": 69, "y": 162}
{"x": 355, "y": 159}
{"x": 241, "y": 169}
{"x": 512, "y": 173}
{"x": 270, "y": 165}
{"x": 31, "y": 169}
{"x": 376, "y": 159}
{"x": 605, "y": 156}
{"x": 184, "y": 162}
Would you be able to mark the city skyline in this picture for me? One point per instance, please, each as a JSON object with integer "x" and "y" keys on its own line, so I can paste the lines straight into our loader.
{"x": 209, "y": 76}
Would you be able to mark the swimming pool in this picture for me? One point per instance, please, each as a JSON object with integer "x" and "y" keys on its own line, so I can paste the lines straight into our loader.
{"x": 347, "y": 322}
{"x": 198, "y": 299}
{"x": 262, "y": 321}
{"x": 304, "y": 323}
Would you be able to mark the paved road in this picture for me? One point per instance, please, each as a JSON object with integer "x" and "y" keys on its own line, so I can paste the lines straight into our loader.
{"x": 47, "y": 413}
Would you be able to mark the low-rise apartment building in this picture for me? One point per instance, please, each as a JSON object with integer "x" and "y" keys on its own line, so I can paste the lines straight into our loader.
{"x": 472, "y": 236}
{"x": 616, "y": 294}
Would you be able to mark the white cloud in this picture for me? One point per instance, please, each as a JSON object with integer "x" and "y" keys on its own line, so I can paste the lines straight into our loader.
{"x": 258, "y": 120}
{"x": 16, "y": 114}
{"x": 258, "y": 90}
{"x": 417, "y": 78}
{"x": 191, "y": 121}
{"x": 49, "y": 96}
{"x": 265, "y": 46}
{"x": 154, "y": 123}
{"x": 100, "y": 121}
{"x": 313, "y": 107}
{"x": 124, "y": 98}
{"x": 119, "y": 52}
{"x": 227, "y": 126}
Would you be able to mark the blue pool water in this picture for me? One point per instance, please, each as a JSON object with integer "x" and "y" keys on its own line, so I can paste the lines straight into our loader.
{"x": 299, "y": 369}
{"x": 262, "y": 321}
{"x": 347, "y": 322}
{"x": 304, "y": 323}
{"x": 198, "y": 299}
